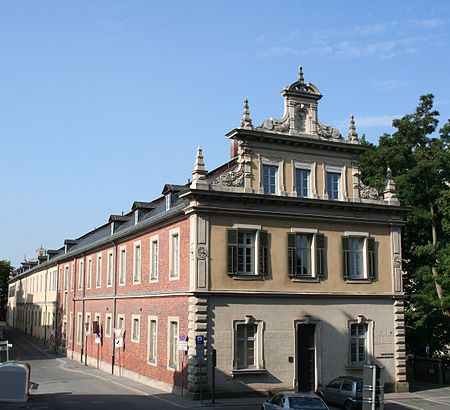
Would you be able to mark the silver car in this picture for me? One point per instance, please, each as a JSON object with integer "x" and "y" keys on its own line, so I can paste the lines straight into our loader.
{"x": 296, "y": 401}
{"x": 345, "y": 391}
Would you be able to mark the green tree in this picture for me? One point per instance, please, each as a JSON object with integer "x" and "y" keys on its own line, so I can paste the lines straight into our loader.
{"x": 5, "y": 271}
{"x": 419, "y": 158}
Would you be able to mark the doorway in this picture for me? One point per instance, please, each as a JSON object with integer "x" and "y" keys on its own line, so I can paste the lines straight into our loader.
{"x": 306, "y": 357}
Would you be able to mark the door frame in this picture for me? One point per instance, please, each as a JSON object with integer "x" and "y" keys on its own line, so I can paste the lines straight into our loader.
{"x": 307, "y": 320}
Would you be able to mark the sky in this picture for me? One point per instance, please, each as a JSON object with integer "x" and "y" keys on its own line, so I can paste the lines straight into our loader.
{"x": 102, "y": 102}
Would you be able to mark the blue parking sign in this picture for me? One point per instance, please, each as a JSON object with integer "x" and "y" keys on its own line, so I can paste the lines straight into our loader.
{"x": 199, "y": 340}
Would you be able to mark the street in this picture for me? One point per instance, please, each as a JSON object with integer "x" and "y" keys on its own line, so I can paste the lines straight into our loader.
{"x": 61, "y": 383}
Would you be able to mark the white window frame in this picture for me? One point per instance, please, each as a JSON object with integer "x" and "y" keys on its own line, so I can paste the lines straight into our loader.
{"x": 123, "y": 265}
{"x": 137, "y": 268}
{"x": 108, "y": 319}
{"x": 88, "y": 320}
{"x": 89, "y": 274}
{"x": 152, "y": 343}
{"x": 110, "y": 269}
{"x": 273, "y": 162}
{"x": 80, "y": 326}
{"x": 305, "y": 166}
{"x": 173, "y": 366}
{"x": 254, "y": 229}
{"x": 369, "y": 341}
{"x": 66, "y": 277}
{"x": 365, "y": 236}
{"x": 99, "y": 271}
{"x": 154, "y": 268}
{"x": 121, "y": 317}
{"x": 335, "y": 169}
{"x": 135, "y": 338}
{"x": 259, "y": 345}
{"x": 313, "y": 232}
{"x": 172, "y": 257}
{"x": 80, "y": 274}
{"x": 72, "y": 276}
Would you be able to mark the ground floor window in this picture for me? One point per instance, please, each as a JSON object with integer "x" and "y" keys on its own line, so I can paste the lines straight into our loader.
{"x": 248, "y": 344}
{"x": 173, "y": 340}
{"x": 360, "y": 342}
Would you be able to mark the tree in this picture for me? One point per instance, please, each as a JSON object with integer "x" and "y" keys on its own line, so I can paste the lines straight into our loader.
{"x": 420, "y": 162}
{"x": 5, "y": 271}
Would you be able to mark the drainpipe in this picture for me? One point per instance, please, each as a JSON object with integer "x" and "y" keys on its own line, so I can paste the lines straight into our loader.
{"x": 113, "y": 349}
{"x": 82, "y": 308}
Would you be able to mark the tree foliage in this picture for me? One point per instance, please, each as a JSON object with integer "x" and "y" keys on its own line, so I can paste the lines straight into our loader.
{"x": 419, "y": 158}
{"x": 5, "y": 271}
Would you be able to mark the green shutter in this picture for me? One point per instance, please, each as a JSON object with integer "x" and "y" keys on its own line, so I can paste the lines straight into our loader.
{"x": 345, "y": 256}
{"x": 372, "y": 259}
{"x": 291, "y": 255}
{"x": 232, "y": 239}
{"x": 321, "y": 256}
{"x": 263, "y": 252}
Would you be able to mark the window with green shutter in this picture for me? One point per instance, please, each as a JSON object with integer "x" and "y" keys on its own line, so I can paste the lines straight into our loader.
{"x": 301, "y": 248}
{"x": 359, "y": 258}
{"x": 232, "y": 238}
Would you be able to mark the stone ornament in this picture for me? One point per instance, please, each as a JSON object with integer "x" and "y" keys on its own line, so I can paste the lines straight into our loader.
{"x": 325, "y": 131}
{"x": 202, "y": 252}
{"x": 397, "y": 262}
{"x": 231, "y": 179}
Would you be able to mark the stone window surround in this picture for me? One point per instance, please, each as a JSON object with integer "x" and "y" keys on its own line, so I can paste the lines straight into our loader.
{"x": 312, "y": 183}
{"x": 133, "y": 338}
{"x": 99, "y": 270}
{"x": 338, "y": 169}
{"x": 153, "y": 239}
{"x": 365, "y": 236}
{"x": 369, "y": 341}
{"x": 137, "y": 244}
{"x": 172, "y": 319}
{"x": 110, "y": 268}
{"x": 276, "y": 162}
{"x": 89, "y": 273}
{"x": 259, "y": 346}
{"x": 108, "y": 316}
{"x": 123, "y": 265}
{"x": 313, "y": 232}
{"x": 172, "y": 233}
{"x": 150, "y": 319}
{"x": 256, "y": 229}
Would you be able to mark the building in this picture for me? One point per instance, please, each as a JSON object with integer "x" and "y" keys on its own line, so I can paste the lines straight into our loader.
{"x": 286, "y": 263}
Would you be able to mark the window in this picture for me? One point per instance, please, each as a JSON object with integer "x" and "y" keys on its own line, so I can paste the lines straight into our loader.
{"x": 248, "y": 341}
{"x": 89, "y": 275}
{"x": 79, "y": 328}
{"x": 168, "y": 201}
{"x": 135, "y": 328}
{"x": 108, "y": 323}
{"x": 270, "y": 174}
{"x": 98, "y": 282}
{"x": 72, "y": 276}
{"x": 66, "y": 277}
{"x": 152, "y": 340}
{"x": 359, "y": 256}
{"x": 302, "y": 182}
{"x": 121, "y": 322}
{"x": 80, "y": 275}
{"x": 306, "y": 254}
{"x": 137, "y": 263}
{"x": 173, "y": 340}
{"x": 110, "y": 268}
{"x": 123, "y": 266}
{"x": 333, "y": 181}
{"x": 243, "y": 259}
{"x": 154, "y": 255}
{"x": 360, "y": 341}
{"x": 88, "y": 323}
{"x": 174, "y": 255}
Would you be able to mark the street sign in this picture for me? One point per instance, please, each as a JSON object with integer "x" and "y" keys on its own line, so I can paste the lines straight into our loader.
{"x": 200, "y": 340}
{"x": 98, "y": 339}
{"x": 3, "y": 348}
{"x": 118, "y": 342}
{"x": 118, "y": 332}
{"x": 182, "y": 337}
{"x": 182, "y": 345}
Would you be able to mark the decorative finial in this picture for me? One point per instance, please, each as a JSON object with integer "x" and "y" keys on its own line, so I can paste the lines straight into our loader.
{"x": 199, "y": 171}
{"x": 300, "y": 75}
{"x": 390, "y": 190}
{"x": 352, "y": 134}
{"x": 246, "y": 121}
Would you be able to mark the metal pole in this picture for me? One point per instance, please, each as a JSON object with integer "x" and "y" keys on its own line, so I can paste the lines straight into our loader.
{"x": 98, "y": 352}
{"x": 201, "y": 383}
{"x": 213, "y": 378}
{"x": 374, "y": 386}
{"x": 7, "y": 351}
{"x": 182, "y": 369}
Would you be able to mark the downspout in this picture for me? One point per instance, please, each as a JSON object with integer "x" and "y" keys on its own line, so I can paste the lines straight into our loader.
{"x": 113, "y": 349}
{"x": 83, "y": 290}
{"x": 57, "y": 305}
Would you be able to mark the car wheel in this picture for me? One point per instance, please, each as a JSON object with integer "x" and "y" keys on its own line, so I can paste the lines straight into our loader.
{"x": 348, "y": 405}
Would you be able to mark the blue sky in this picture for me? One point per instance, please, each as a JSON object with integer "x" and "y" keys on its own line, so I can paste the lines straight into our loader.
{"x": 102, "y": 102}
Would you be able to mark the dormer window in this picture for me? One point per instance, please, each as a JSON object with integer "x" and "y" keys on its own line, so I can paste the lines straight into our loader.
{"x": 168, "y": 201}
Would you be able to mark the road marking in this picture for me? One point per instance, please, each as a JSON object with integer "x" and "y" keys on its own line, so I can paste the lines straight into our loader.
{"x": 405, "y": 405}
{"x": 144, "y": 393}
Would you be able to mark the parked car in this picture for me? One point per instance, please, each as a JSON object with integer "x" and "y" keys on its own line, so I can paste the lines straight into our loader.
{"x": 295, "y": 401}
{"x": 346, "y": 391}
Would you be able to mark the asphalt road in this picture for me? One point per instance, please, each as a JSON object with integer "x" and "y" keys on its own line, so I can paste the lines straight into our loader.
{"x": 61, "y": 383}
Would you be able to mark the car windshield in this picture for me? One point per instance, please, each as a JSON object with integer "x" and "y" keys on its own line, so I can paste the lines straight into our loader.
{"x": 306, "y": 403}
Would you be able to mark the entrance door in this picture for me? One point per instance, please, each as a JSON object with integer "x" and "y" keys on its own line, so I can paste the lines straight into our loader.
{"x": 306, "y": 357}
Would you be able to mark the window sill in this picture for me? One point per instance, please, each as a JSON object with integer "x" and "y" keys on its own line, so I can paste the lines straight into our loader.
{"x": 305, "y": 279}
{"x": 238, "y": 276}
{"x": 362, "y": 280}
{"x": 238, "y": 372}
